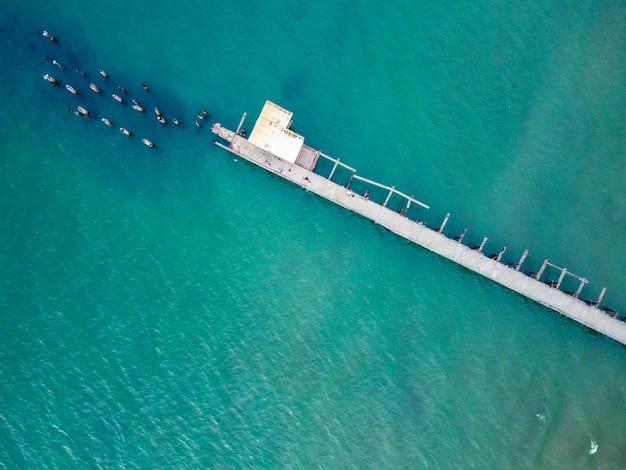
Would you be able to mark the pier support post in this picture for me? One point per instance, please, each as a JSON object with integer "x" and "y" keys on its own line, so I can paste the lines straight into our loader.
{"x": 563, "y": 273}
{"x": 389, "y": 196}
{"x": 583, "y": 281}
{"x": 443, "y": 224}
{"x": 602, "y": 292}
{"x": 501, "y": 253}
{"x": 524, "y": 255}
{"x": 482, "y": 245}
{"x": 543, "y": 268}
{"x": 334, "y": 168}
{"x": 460, "y": 237}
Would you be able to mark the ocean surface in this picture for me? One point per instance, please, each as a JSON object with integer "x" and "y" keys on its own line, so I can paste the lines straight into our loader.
{"x": 175, "y": 308}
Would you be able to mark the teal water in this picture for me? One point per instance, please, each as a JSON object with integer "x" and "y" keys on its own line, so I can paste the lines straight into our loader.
{"x": 173, "y": 308}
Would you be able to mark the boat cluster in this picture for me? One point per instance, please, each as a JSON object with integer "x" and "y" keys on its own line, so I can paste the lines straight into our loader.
{"x": 119, "y": 95}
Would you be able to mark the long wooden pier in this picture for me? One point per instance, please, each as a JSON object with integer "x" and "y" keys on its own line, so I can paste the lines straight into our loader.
{"x": 528, "y": 285}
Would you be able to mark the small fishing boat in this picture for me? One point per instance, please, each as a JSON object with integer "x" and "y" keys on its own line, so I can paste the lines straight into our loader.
{"x": 118, "y": 98}
{"x": 161, "y": 119}
{"x": 49, "y": 36}
{"x": 83, "y": 111}
{"x": 137, "y": 106}
{"x": 125, "y": 131}
{"x": 157, "y": 112}
{"x": 50, "y": 79}
{"x": 176, "y": 121}
{"x": 104, "y": 74}
{"x": 148, "y": 143}
{"x": 94, "y": 88}
{"x": 71, "y": 89}
{"x": 107, "y": 122}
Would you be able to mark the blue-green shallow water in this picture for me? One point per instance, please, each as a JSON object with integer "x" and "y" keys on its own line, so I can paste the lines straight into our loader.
{"x": 172, "y": 308}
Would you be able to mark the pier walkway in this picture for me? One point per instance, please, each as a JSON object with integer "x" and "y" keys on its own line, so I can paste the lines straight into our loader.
{"x": 433, "y": 240}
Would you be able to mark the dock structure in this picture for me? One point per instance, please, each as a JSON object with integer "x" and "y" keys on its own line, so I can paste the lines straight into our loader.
{"x": 300, "y": 172}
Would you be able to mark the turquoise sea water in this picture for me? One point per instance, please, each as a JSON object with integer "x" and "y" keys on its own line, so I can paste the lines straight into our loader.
{"x": 173, "y": 308}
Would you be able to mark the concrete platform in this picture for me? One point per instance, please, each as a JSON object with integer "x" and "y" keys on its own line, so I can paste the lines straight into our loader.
{"x": 432, "y": 240}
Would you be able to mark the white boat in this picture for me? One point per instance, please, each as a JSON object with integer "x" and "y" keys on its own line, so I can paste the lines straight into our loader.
{"x": 138, "y": 107}
{"x": 117, "y": 98}
{"x": 49, "y": 36}
{"x": 83, "y": 111}
{"x": 107, "y": 122}
{"x": 94, "y": 88}
{"x": 148, "y": 143}
{"x": 71, "y": 89}
{"x": 125, "y": 131}
{"x": 50, "y": 79}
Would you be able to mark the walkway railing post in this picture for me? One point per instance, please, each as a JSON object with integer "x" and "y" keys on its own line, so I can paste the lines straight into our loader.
{"x": 349, "y": 182}
{"x": 443, "y": 224}
{"x": 543, "y": 268}
{"x": 334, "y": 168}
{"x": 482, "y": 245}
{"x": 243, "y": 118}
{"x": 583, "y": 281}
{"x": 521, "y": 260}
{"x": 388, "y": 196}
{"x": 563, "y": 273}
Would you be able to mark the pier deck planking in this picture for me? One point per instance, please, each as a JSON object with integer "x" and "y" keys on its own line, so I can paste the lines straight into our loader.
{"x": 432, "y": 240}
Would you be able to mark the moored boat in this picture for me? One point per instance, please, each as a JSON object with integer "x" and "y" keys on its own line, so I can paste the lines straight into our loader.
{"x": 94, "y": 88}
{"x": 148, "y": 143}
{"x": 107, "y": 122}
{"x": 83, "y": 111}
{"x": 118, "y": 98}
{"x": 71, "y": 89}
{"x": 49, "y": 36}
{"x": 50, "y": 79}
{"x": 125, "y": 131}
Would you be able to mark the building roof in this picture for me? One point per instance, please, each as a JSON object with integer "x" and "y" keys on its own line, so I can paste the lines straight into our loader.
{"x": 271, "y": 132}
